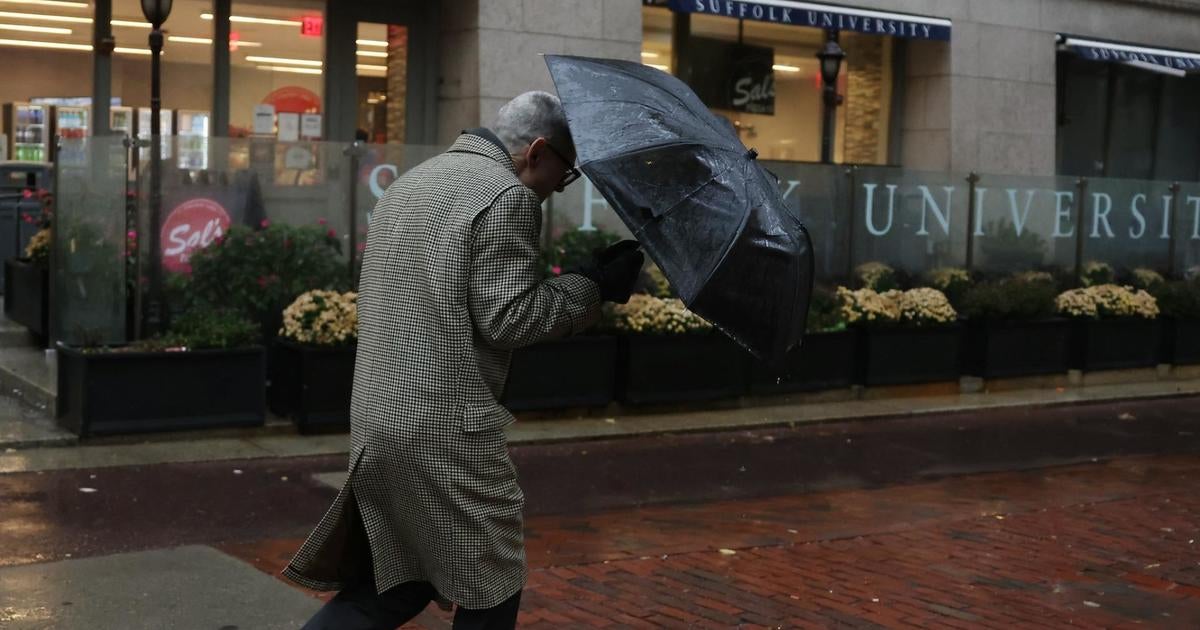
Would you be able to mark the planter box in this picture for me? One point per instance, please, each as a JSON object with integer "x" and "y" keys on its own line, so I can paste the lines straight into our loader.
{"x": 823, "y": 361}
{"x": 311, "y": 384}
{"x": 684, "y": 368}
{"x": 108, "y": 393}
{"x": 900, "y": 356}
{"x": 27, "y": 295}
{"x": 1181, "y": 341}
{"x": 570, "y": 372}
{"x": 1115, "y": 344}
{"x": 1018, "y": 348}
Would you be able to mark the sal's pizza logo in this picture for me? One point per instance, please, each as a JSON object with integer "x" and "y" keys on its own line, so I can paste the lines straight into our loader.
{"x": 192, "y": 225}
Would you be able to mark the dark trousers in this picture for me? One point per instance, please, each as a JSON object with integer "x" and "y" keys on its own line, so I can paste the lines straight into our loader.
{"x": 359, "y": 608}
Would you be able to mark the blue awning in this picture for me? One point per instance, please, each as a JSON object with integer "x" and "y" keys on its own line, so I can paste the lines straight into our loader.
{"x": 824, "y": 16}
{"x": 1173, "y": 62}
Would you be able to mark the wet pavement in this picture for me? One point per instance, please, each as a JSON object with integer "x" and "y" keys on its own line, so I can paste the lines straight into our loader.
{"x": 1092, "y": 520}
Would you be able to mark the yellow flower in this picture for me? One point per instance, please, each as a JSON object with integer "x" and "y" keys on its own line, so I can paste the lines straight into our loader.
{"x": 322, "y": 318}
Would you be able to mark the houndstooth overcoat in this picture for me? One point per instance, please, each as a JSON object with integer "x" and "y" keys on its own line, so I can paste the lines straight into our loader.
{"x": 450, "y": 285}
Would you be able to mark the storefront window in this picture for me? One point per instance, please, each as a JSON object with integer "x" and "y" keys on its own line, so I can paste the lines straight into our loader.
{"x": 277, "y": 56}
{"x": 382, "y": 71}
{"x": 779, "y": 113}
{"x": 1121, "y": 121}
{"x": 38, "y": 103}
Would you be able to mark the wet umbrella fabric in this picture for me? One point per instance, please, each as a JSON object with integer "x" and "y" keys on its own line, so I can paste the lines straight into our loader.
{"x": 706, "y": 211}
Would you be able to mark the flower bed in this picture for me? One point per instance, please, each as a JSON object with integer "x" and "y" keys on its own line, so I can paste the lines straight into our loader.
{"x": 1115, "y": 327}
{"x": 1179, "y": 302}
{"x": 572, "y": 372}
{"x": 908, "y": 336}
{"x": 311, "y": 367}
{"x": 205, "y": 374}
{"x": 1012, "y": 329}
{"x": 27, "y": 296}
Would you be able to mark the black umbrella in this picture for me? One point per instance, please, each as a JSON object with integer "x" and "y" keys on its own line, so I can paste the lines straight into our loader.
{"x": 694, "y": 196}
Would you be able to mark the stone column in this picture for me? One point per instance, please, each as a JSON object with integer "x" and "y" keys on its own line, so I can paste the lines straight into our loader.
{"x": 397, "y": 83}
{"x": 865, "y": 101}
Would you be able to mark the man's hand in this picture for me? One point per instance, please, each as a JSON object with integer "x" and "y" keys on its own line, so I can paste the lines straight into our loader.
{"x": 615, "y": 269}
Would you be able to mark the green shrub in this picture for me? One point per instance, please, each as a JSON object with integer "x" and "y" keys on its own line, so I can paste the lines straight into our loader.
{"x": 574, "y": 248}
{"x": 1010, "y": 299}
{"x": 205, "y": 329}
{"x": 952, "y": 281}
{"x": 259, "y": 273}
{"x": 1179, "y": 299}
{"x": 825, "y": 312}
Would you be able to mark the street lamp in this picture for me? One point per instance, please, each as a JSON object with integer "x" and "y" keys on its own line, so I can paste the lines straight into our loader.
{"x": 156, "y": 12}
{"x": 831, "y": 56}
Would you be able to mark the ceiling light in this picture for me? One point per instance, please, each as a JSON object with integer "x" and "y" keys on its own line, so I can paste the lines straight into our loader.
{"x": 372, "y": 101}
{"x": 32, "y": 44}
{"x": 372, "y": 53}
{"x": 25, "y": 28}
{"x": 189, "y": 40}
{"x": 255, "y": 20}
{"x": 50, "y": 3}
{"x": 649, "y": 55}
{"x": 132, "y": 51}
{"x": 285, "y": 60}
{"x": 370, "y": 68}
{"x": 45, "y": 18}
{"x": 131, "y": 24}
{"x": 288, "y": 69}
{"x": 659, "y": 67}
{"x": 784, "y": 68}
{"x": 371, "y": 42}
{"x": 239, "y": 43}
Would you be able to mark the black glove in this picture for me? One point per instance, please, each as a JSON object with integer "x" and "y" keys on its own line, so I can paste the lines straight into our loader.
{"x": 615, "y": 269}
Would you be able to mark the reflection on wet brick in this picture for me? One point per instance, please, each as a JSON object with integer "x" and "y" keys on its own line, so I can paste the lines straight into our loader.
{"x": 1106, "y": 545}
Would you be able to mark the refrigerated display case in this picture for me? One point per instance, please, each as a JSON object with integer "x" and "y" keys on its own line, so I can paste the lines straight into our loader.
{"x": 71, "y": 123}
{"x": 120, "y": 120}
{"x": 193, "y": 129}
{"x": 167, "y": 122}
{"x": 27, "y": 128}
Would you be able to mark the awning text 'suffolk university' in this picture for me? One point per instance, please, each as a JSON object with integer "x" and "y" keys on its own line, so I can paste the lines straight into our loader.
{"x": 825, "y": 16}
{"x": 1097, "y": 50}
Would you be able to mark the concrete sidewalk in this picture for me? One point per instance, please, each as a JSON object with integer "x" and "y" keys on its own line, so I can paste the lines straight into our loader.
{"x": 850, "y": 405}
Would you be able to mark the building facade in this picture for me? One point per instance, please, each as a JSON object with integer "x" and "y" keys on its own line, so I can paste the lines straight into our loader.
{"x": 1025, "y": 87}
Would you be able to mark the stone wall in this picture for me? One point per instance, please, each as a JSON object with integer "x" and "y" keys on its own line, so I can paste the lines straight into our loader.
{"x": 491, "y": 49}
{"x": 866, "y": 101}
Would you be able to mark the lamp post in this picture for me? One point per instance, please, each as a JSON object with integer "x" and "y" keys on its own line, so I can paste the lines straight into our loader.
{"x": 831, "y": 55}
{"x": 156, "y": 12}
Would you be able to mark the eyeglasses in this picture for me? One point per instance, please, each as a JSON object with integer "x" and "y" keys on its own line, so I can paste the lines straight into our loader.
{"x": 572, "y": 173}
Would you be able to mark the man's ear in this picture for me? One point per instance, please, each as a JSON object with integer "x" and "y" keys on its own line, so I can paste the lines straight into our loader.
{"x": 536, "y": 149}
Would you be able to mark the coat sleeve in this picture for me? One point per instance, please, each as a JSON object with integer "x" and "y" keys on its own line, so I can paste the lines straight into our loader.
{"x": 510, "y": 304}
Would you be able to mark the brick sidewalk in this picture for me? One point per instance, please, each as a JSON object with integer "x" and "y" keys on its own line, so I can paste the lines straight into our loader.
{"x": 1102, "y": 545}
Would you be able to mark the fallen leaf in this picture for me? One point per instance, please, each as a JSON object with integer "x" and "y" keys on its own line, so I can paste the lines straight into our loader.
{"x": 1091, "y": 604}
{"x": 1126, "y": 416}
{"x": 237, "y": 471}
{"x": 87, "y": 490}
{"x": 727, "y": 552}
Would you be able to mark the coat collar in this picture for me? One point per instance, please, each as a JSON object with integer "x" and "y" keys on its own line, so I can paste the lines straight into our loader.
{"x": 482, "y": 141}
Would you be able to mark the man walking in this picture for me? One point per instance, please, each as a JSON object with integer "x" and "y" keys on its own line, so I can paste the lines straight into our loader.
{"x": 451, "y": 284}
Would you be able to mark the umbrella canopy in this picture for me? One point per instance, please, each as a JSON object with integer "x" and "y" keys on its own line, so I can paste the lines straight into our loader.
{"x": 694, "y": 196}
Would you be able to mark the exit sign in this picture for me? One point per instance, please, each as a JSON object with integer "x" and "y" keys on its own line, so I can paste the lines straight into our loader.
{"x": 312, "y": 26}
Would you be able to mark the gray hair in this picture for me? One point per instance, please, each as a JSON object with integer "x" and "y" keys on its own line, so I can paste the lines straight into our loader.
{"x": 534, "y": 115}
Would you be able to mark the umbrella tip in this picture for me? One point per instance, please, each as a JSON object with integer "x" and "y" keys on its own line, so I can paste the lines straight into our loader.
{"x": 751, "y": 154}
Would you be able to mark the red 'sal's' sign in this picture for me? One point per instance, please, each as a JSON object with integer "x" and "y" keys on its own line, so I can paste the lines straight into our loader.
{"x": 193, "y": 224}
